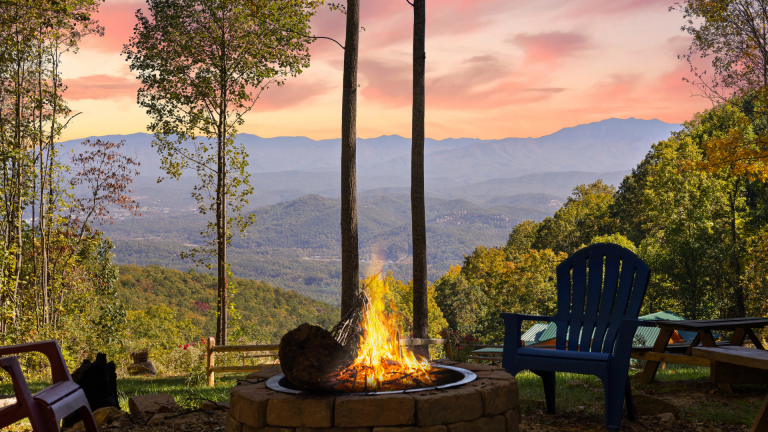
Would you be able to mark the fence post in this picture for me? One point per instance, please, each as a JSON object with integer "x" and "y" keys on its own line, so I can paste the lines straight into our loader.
{"x": 210, "y": 361}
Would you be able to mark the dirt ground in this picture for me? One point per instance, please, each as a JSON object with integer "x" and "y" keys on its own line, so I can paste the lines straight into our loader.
{"x": 688, "y": 396}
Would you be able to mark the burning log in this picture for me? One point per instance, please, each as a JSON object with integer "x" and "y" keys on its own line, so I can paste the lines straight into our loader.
{"x": 360, "y": 354}
{"x": 309, "y": 354}
{"x": 349, "y": 330}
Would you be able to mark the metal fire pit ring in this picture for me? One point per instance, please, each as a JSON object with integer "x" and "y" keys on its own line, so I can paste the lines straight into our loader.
{"x": 279, "y": 383}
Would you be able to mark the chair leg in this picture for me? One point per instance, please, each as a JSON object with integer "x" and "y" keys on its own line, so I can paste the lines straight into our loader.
{"x": 614, "y": 401}
{"x": 88, "y": 421}
{"x": 548, "y": 377}
{"x": 631, "y": 413}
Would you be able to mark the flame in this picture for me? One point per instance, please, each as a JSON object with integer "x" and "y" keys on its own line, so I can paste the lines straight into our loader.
{"x": 381, "y": 365}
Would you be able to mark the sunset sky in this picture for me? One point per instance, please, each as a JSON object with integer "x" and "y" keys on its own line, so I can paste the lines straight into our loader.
{"x": 495, "y": 69}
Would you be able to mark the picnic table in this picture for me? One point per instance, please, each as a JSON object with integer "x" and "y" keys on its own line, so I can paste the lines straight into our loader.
{"x": 746, "y": 358}
{"x": 741, "y": 327}
{"x": 487, "y": 353}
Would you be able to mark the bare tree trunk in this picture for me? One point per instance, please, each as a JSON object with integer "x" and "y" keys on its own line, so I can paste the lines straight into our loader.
{"x": 221, "y": 210}
{"x": 350, "y": 262}
{"x": 741, "y": 308}
{"x": 418, "y": 212}
{"x": 221, "y": 239}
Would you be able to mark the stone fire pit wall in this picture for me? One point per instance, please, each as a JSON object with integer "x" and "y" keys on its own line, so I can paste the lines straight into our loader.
{"x": 488, "y": 404}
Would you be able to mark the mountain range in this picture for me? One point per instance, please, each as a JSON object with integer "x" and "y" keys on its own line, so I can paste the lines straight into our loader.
{"x": 477, "y": 190}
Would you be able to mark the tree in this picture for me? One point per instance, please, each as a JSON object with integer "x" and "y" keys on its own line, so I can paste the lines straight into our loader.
{"x": 203, "y": 65}
{"x": 350, "y": 259}
{"x": 583, "y": 216}
{"x": 525, "y": 284}
{"x": 418, "y": 211}
{"x": 734, "y": 33}
{"x": 33, "y": 113}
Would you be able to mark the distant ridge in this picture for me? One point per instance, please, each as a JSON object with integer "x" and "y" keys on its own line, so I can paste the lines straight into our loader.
{"x": 603, "y": 146}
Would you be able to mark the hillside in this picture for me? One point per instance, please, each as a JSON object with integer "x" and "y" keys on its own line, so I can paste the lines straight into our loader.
{"x": 295, "y": 244}
{"x": 193, "y": 296}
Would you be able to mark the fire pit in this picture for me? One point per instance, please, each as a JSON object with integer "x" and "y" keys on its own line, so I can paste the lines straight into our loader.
{"x": 443, "y": 376}
{"x": 489, "y": 403}
{"x": 378, "y": 387}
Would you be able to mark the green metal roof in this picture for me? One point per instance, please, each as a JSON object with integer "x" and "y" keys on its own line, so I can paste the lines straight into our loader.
{"x": 644, "y": 336}
{"x": 662, "y": 316}
{"x": 533, "y": 335}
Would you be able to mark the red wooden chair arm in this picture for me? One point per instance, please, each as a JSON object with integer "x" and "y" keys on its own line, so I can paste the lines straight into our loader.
{"x": 24, "y": 407}
{"x": 50, "y": 349}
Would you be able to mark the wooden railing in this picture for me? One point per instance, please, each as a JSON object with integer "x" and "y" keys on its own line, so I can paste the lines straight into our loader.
{"x": 211, "y": 368}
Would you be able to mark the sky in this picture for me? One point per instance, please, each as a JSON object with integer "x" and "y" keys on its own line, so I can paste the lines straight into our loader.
{"x": 494, "y": 69}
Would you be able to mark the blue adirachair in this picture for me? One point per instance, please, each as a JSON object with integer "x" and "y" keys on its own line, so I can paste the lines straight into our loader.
{"x": 600, "y": 289}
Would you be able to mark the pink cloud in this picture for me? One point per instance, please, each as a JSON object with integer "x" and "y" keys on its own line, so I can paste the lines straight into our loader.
{"x": 101, "y": 87}
{"x": 480, "y": 82}
{"x": 615, "y": 7}
{"x": 118, "y": 20}
{"x": 550, "y": 48}
{"x": 293, "y": 93}
{"x": 391, "y": 22}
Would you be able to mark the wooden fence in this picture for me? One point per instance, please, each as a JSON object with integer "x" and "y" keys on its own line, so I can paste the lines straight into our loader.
{"x": 211, "y": 367}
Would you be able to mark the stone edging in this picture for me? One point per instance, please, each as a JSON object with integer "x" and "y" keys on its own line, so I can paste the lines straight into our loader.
{"x": 490, "y": 403}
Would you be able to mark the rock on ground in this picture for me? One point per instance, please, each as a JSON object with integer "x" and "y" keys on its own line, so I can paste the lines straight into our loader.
{"x": 152, "y": 403}
{"x": 102, "y": 416}
{"x": 143, "y": 368}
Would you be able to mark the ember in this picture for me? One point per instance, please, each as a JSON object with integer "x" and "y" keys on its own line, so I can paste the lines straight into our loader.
{"x": 381, "y": 364}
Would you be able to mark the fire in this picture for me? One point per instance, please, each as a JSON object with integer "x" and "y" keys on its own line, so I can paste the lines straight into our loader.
{"x": 381, "y": 365}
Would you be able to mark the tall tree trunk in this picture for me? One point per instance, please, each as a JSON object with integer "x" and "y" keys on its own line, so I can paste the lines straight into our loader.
{"x": 221, "y": 207}
{"x": 418, "y": 213}
{"x": 350, "y": 262}
{"x": 741, "y": 308}
{"x": 221, "y": 239}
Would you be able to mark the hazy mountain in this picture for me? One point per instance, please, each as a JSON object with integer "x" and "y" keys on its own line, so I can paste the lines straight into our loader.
{"x": 476, "y": 190}
{"x": 604, "y": 146}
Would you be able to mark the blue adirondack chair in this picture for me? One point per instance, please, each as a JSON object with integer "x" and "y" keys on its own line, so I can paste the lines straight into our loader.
{"x": 600, "y": 289}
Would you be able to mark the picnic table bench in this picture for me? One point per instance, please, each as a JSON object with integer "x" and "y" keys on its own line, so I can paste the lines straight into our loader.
{"x": 744, "y": 357}
{"x": 723, "y": 375}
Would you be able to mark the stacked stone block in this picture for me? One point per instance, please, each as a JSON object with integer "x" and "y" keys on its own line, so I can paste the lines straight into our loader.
{"x": 489, "y": 403}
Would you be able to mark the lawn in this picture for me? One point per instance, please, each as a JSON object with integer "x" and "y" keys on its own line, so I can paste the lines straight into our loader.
{"x": 579, "y": 398}
{"x": 701, "y": 403}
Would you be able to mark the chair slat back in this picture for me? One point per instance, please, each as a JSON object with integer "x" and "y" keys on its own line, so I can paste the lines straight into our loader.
{"x": 597, "y": 287}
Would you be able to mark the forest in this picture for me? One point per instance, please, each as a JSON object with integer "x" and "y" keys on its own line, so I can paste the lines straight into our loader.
{"x": 694, "y": 209}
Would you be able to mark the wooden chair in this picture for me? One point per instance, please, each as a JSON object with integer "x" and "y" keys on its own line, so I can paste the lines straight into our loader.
{"x": 600, "y": 289}
{"x": 46, "y": 408}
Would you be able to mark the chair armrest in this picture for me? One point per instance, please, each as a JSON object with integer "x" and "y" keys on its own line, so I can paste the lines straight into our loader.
{"x": 525, "y": 317}
{"x": 626, "y": 336}
{"x": 644, "y": 323}
{"x": 50, "y": 349}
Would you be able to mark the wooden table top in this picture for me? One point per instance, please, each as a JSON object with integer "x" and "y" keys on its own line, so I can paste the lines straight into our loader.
{"x": 717, "y": 324}
{"x": 737, "y": 355}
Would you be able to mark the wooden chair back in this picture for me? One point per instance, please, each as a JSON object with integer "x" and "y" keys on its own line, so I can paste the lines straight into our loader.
{"x": 597, "y": 287}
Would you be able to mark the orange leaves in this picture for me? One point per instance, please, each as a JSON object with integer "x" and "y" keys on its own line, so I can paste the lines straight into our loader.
{"x": 741, "y": 147}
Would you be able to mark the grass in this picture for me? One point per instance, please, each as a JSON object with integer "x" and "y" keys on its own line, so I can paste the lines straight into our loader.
{"x": 689, "y": 386}
{"x": 189, "y": 397}
{"x": 686, "y": 386}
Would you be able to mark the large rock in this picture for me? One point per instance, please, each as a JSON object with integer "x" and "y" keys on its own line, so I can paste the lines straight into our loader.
{"x": 381, "y": 410}
{"x": 103, "y": 416}
{"x": 457, "y": 405}
{"x": 7, "y": 400}
{"x": 143, "y": 368}
{"x": 152, "y": 403}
